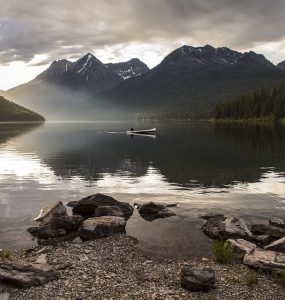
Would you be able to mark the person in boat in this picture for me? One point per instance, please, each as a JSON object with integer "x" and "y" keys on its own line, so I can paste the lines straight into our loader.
{"x": 132, "y": 129}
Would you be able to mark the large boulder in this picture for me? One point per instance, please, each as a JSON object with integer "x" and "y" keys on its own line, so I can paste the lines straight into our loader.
{"x": 223, "y": 228}
{"x": 55, "y": 222}
{"x": 278, "y": 245}
{"x": 265, "y": 260}
{"x": 151, "y": 211}
{"x": 197, "y": 279}
{"x": 99, "y": 227}
{"x": 87, "y": 206}
{"x": 25, "y": 275}
{"x": 274, "y": 232}
{"x": 240, "y": 248}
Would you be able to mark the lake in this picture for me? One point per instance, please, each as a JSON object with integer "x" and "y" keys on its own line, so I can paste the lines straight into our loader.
{"x": 200, "y": 166}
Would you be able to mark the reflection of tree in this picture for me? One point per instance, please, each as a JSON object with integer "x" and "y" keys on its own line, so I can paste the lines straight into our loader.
{"x": 186, "y": 155}
{"x": 11, "y": 130}
{"x": 265, "y": 138}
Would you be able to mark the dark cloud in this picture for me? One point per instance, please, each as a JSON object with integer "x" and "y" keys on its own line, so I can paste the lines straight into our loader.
{"x": 69, "y": 28}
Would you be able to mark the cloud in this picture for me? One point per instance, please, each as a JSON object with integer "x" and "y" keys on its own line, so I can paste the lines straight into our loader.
{"x": 70, "y": 28}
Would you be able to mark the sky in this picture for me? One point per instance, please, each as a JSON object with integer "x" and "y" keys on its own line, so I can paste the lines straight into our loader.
{"x": 36, "y": 32}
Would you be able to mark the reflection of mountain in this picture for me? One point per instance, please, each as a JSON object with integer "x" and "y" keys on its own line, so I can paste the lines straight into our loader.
{"x": 186, "y": 155}
{"x": 9, "y": 131}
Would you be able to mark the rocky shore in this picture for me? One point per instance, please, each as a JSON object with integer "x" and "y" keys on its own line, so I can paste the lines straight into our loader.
{"x": 115, "y": 268}
{"x": 105, "y": 263}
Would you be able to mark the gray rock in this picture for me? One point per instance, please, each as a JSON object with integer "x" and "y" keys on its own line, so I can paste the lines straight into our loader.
{"x": 277, "y": 222}
{"x": 195, "y": 279}
{"x": 278, "y": 245}
{"x": 87, "y": 206}
{"x": 151, "y": 211}
{"x": 265, "y": 260}
{"x": 274, "y": 232}
{"x": 224, "y": 228}
{"x": 55, "y": 209}
{"x": 240, "y": 248}
{"x": 109, "y": 211}
{"x": 4, "y": 296}
{"x": 25, "y": 275}
{"x": 100, "y": 227}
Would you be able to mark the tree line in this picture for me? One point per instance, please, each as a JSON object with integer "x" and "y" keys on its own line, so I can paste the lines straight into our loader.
{"x": 264, "y": 104}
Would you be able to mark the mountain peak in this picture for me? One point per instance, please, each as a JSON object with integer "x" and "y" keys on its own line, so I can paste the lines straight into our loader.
{"x": 252, "y": 57}
{"x": 55, "y": 70}
{"x": 128, "y": 69}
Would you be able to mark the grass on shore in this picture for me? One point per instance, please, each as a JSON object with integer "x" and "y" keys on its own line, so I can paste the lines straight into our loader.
{"x": 251, "y": 278}
{"x": 223, "y": 252}
{"x": 5, "y": 253}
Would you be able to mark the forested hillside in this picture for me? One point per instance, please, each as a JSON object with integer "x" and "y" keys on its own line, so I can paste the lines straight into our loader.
{"x": 11, "y": 112}
{"x": 264, "y": 104}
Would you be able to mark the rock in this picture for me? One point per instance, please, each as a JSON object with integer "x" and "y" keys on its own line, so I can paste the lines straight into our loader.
{"x": 277, "y": 222}
{"x": 265, "y": 260}
{"x": 46, "y": 232}
{"x": 4, "y": 296}
{"x": 87, "y": 206}
{"x": 41, "y": 259}
{"x": 210, "y": 216}
{"x": 56, "y": 226}
{"x": 99, "y": 227}
{"x": 195, "y": 279}
{"x": 275, "y": 233}
{"x": 55, "y": 209}
{"x": 25, "y": 275}
{"x": 224, "y": 228}
{"x": 263, "y": 239}
{"x": 55, "y": 222}
{"x": 240, "y": 248}
{"x": 165, "y": 213}
{"x": 109, "y": 211}
{"x": 278, "y": 245}
{"x": 151, "y": 211}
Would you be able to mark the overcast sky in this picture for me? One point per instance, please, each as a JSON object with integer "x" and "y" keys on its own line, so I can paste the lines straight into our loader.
{"x": 35, "y": 32}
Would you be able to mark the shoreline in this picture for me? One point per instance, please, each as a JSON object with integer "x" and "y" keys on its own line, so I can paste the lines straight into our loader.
{"x": 115, "y": 268}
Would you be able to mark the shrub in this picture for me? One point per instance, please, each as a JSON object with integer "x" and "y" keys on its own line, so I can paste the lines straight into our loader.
{"x": 5, "y": 253}
{"x": 223, "y": 252}
{"x": 251, "y": 278}
{"x": 280, "y": 274}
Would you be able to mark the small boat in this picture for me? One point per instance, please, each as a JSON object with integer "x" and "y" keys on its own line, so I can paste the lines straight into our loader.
{"x": 145, "y": 131}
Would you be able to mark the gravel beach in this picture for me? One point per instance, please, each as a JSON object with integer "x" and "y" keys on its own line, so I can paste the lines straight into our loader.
{"x": 115, "y": 268}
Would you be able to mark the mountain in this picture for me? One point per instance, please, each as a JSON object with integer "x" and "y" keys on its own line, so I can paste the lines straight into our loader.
{"x": 128, "y": 69}
{"x": 64, "y": 89}
{"x": 190, "y": 80}
{"x": 11, "y": 112}
{"x": 281, "y": 65}
{"x": 90, "y": 75}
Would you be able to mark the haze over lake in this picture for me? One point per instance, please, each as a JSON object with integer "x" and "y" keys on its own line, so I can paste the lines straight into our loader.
{"x": 199, "y": 166}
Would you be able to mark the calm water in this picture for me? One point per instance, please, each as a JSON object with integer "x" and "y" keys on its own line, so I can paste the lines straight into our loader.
{"x": 202, "y": 167}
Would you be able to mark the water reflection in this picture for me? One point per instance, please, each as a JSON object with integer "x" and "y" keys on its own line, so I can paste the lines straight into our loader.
{"x": 202, "y": 167}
